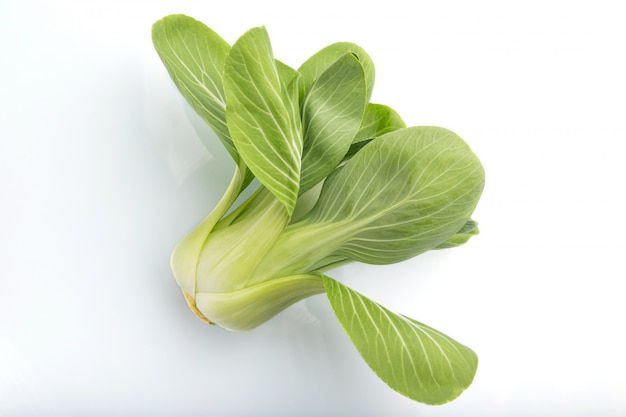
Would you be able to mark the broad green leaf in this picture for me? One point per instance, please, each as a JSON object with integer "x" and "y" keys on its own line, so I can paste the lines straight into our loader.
{"x": 313, "y": 67}
{"x": 412, "y": 358}
{"x": 462, "y": 236}
{"x": 355, "y": 147}
{"x": 290, "y": 79}
{"x": 404, "y": 193}
{"x": 261, "y": 116}
{"x": 331, "y": 116}
{"x": 377, "y": 120}
{"x": 194, "y": 56}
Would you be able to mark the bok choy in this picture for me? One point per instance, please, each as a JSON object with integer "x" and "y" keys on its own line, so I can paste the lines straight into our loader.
{"x": 341, "y": 180}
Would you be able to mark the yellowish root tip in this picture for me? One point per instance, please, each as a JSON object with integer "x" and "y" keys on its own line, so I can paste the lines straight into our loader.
{"x": 191, "y": 302}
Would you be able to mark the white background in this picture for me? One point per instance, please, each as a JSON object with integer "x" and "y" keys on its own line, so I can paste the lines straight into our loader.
{"x": 102, "y": 171}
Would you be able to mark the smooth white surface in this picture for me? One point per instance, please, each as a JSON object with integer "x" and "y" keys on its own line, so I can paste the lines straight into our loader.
{"x": 102, "y": 171}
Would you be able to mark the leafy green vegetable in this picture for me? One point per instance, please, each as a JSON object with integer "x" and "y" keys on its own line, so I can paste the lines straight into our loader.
{"x": 331, "y": 113}
{"x": 262, "y": 115}
{"x": 411, "y": 358}
{"x": 319, "y": 62}
{"x": 194, "y": 56}
{"x": 341, "y": 180}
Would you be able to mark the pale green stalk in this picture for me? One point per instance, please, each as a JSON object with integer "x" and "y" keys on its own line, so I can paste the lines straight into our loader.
{"x": 186, "y": 255}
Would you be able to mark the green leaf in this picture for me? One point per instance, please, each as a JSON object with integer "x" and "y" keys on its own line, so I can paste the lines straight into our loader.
{"x": 377, "y": 120}
{"x": 313, "y": 67}
{"x": 194, "y": 56}
{"x": 404, "y": 193}
{"x": 261, "y": 115}
{"x": 290, "y": 79}
{"x": 331, "y": 116}
{"x": 461, "y": 237}
{"x": 412, "y": 358}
